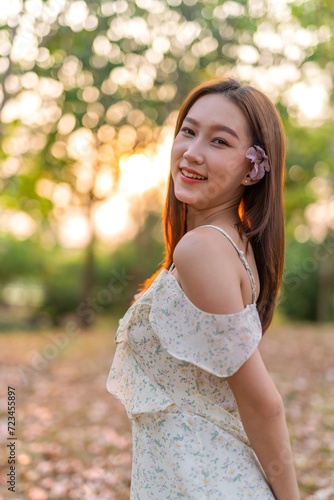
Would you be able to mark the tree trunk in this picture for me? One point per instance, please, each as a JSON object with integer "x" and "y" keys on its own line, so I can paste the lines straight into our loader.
{"x": 325, "y": 270}
{"x": 88, "y": 277}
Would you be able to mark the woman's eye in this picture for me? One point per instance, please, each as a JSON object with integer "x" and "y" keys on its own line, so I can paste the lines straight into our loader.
{"x": 220, "y": 142}
{"x": 187, "y": 131}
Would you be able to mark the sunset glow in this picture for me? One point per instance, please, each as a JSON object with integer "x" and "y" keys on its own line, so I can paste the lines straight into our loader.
{"x": 106, "y": 148}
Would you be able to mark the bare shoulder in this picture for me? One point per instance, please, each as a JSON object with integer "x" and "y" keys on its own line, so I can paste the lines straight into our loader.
{"x": 208, "y": 269}
{"x": 205, "y": 247}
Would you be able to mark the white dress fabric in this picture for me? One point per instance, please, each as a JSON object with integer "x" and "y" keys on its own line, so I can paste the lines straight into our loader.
{"x": 169, "y": 371}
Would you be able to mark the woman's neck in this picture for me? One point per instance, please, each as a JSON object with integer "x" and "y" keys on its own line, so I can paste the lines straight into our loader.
{"x": 222, "y": 216}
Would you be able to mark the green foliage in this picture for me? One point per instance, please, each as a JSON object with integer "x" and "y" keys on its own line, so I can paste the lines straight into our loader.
{"x": 140, "y": 258}
{"x": 299, "y": 292}
{"x": 20, "y": 259}
{"x": 62, "y": 284}
{"x": 120, "y": 69}
{"x": 315, "y": 15}
{"x": 307, "y": 292}
{"x": 309, "y": 156}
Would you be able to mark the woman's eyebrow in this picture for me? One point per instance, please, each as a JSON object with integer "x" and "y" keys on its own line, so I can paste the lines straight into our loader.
{"x": 215, "y": 126}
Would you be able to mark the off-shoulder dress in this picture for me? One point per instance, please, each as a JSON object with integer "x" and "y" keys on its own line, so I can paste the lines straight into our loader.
{"x": 170, "y": 372}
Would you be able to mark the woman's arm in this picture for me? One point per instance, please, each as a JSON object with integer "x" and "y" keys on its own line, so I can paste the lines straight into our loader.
{"x": 212, "y": 283}
{"x": 262, "y": 414}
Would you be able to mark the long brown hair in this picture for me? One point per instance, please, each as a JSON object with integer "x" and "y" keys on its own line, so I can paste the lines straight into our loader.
{"x": 261, "y": 209}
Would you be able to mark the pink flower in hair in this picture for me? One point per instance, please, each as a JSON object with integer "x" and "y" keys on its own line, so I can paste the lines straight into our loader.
{"x": 261, "y": 163}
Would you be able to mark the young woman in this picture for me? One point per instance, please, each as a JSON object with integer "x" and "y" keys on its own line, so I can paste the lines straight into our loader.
{"x": 207, "y": 420}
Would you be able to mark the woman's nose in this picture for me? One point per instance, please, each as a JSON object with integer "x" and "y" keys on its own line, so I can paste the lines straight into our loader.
{"x": 193, "y": 153}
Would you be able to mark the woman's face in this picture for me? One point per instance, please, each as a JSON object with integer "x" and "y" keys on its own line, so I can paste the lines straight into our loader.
{"x": 208, "y": 163}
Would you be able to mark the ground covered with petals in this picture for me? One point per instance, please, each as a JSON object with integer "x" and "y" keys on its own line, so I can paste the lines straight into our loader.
{"x": 74, "y": 439}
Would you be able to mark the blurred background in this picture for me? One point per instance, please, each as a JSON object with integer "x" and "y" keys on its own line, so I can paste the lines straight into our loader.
{"x": 88, "y": 98}
{"x": 89, "y": 95}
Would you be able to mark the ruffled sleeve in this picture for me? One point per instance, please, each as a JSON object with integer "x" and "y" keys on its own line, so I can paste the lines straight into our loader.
{"x": 217, "y": 343}
{"x": 127, "y": 381}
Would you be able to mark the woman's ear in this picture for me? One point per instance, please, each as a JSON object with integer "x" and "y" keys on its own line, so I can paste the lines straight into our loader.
{"x": 248, "y": 181}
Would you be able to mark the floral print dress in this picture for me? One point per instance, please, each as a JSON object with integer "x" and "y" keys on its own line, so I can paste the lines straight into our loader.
{"x": 170, "y": 372}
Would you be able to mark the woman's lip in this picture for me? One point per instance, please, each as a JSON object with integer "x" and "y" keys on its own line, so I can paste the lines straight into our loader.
{"x": 191, "y": 179}
{"x": 191, "y": 171}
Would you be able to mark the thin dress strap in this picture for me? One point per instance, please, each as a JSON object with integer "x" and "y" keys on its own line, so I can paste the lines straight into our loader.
{"x": 242, "y": 258}
{"x": 171, "y": 267}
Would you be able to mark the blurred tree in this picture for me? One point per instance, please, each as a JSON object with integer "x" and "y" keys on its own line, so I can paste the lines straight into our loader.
{"x": 102, "y": 77}
{"x": 88, "y": 83}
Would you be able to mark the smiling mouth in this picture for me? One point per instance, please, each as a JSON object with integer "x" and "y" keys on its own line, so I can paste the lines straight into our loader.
{"x": 191, "y": 175}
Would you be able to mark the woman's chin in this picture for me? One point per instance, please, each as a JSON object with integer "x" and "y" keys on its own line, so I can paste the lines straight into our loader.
{"x": 184, "y": 197}
{"x": 197, "y": 202}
